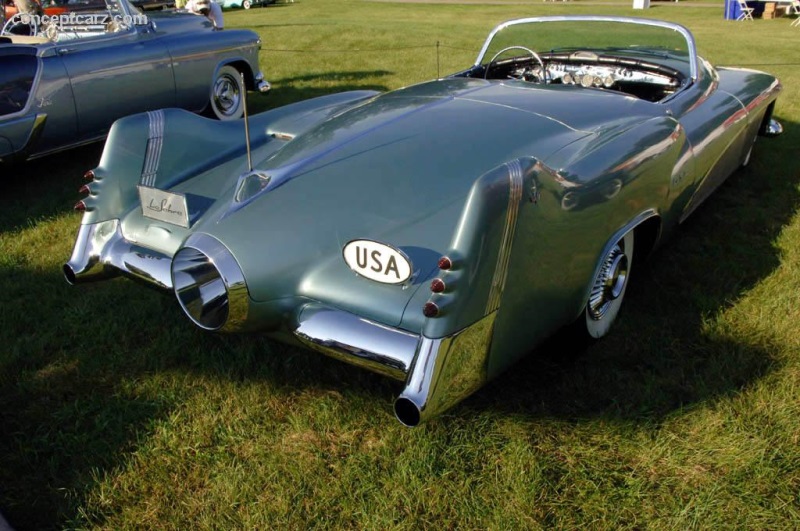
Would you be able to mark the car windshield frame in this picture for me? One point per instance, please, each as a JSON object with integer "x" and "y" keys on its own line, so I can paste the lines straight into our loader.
{"x": 691, "y": 48}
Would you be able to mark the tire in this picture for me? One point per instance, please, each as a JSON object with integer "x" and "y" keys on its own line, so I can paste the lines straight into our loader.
{"x": 247, "y": 4}
{"x": 608, "y": 288}
{"x": 227, "y": 94}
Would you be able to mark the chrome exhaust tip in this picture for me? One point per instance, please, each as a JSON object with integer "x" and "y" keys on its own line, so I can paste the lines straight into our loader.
{"x": 407, "y": 412}
{"x": 209, "y": 284}
{"x": 69, "y": 274}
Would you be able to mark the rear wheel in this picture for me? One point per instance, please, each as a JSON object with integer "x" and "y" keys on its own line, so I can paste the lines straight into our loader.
{"x": 608, "y": 288}
{"x": 227, "y": 94}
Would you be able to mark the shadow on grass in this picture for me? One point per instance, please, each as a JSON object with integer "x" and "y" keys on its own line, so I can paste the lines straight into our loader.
{"x": 42, "y": 188}
{"x": 69, "y": 412}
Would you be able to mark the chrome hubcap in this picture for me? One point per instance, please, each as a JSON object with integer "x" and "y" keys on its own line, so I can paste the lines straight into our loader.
{"x": 609, "y": 283}
{"x": 226, "y": 95}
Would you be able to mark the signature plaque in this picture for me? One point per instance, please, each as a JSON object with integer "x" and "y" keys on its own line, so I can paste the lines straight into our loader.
{"x": 164, "y": 206}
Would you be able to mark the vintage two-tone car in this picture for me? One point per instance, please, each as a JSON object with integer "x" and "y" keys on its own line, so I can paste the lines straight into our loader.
{"x": 66, "y": 85}
{"x": 246, "y": 4}
{"x": 438, "y": 232}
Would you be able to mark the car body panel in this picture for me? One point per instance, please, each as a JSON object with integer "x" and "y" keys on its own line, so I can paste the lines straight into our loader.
{"x": 511, "y": 190}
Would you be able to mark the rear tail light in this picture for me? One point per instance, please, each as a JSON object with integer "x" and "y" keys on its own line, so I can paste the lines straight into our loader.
{"x": 438, "y": 285}
{"x": 445, "y": 263}
{"x": 80, "y": 206}
{"x": 430, "y": 309}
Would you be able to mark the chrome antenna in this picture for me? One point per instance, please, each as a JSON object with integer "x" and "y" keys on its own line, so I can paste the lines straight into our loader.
{"x": 246, "y": 125}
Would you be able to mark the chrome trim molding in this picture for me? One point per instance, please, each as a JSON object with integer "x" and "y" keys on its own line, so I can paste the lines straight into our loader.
{"x": 102, "y": 252}
{"x": 445, "y": 372}
{"x": 357, "y": 341}
{"x": 155, "y": 144}
{"x": 504, "y": 255}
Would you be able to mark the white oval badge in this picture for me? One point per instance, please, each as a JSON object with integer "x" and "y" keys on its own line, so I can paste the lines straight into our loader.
{"x": 377, "y": 261}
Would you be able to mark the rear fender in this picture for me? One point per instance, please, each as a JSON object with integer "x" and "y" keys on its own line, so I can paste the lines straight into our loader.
{"x": 480, "y": 248}
{"x": 166, "y": 147}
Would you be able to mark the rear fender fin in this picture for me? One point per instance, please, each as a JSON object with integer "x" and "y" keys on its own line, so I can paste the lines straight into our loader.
{"x": 481, "y": 247}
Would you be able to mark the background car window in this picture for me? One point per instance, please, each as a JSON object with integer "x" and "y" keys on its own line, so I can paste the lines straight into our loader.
{"x": 16, "y": 80}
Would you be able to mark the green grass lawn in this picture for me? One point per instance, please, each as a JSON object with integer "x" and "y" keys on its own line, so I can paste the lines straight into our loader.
{"x": 117, "y": 412}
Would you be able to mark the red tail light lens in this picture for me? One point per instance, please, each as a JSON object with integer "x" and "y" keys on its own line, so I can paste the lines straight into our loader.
{"x": 437, "y": 285}
{"x": 84, "y": 190}
{"x": 430, "y": 309}
{"x": 445, "y": 263}
{"x": 89, "y": 175}
{"x": 80, "y": 206}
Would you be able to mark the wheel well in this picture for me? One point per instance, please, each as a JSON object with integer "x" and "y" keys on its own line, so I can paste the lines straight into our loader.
{"x": 243, "y": 67}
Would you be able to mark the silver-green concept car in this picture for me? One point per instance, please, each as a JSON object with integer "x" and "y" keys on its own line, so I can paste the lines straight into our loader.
{"x": 438, "y": 232}
{"x": 78, "y": 72}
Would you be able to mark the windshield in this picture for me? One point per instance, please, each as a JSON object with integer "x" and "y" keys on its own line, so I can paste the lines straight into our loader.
{"x": 653, "y": 41}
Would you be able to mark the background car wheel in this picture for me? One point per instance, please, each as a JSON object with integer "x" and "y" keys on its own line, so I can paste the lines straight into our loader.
{"x": 247, "y": 4}
{"x": 227, "y": 94}
{"x": 609, "y": 287}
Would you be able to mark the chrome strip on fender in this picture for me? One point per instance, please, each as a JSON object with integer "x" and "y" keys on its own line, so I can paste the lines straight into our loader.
{"x": 155, "y": 143}
{"x": 504, "y": 254}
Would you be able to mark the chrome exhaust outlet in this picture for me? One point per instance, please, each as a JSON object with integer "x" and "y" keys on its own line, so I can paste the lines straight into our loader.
{"x": 445, "y": 372}
{"x": 210, "y": 285}
{"x": 101, "y": 252}
{"x": 85, "y": 263}
{"x": 438, "y": 373}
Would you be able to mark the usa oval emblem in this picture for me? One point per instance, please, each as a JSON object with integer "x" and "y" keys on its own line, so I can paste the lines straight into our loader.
{"x": 377, "y": 261}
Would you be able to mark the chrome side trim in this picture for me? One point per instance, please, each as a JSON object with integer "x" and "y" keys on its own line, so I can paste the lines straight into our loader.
{"x": 357, "y": 341}
{"x": 504, "y": 255}
{"x": 446, "y": 371}
{"x": 155, "y": 144}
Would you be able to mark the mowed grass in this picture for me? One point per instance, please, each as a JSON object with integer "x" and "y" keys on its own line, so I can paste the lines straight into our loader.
{"x": 116, "y": 412}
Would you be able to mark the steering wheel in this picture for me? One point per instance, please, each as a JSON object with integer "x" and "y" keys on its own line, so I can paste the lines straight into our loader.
{"x": 20, "y": 20}
{"x": 516, "y": 47}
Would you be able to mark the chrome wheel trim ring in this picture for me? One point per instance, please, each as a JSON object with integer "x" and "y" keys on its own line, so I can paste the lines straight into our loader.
{"x": 609, "y": 287}
{"x": 227, "y": 95}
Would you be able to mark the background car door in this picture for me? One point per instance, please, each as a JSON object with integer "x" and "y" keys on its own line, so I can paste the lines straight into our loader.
{"x": 116, "y": 75}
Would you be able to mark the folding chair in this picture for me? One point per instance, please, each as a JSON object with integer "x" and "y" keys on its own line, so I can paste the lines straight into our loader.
{"x": 746, "y": 12}
{"x": 794, "y": 9}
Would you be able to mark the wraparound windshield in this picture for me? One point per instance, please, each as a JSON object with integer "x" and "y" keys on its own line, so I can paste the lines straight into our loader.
{"x": 653, "y": 41}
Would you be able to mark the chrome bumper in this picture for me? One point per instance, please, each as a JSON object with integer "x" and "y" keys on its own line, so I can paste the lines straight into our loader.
{"x": 102, "y": 252}
{"x": 262, "y": 85}
{"x": 438, "y": 373}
